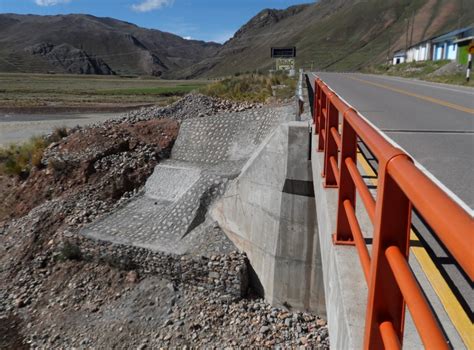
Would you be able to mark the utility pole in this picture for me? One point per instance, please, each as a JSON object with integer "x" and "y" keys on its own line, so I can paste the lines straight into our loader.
{"x": 412, "y": 26}
{"x": 408, "y": 29}
{"x": 389, "y": 46}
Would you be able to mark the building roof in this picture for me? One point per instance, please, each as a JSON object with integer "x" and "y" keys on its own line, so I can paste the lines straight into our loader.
{"x": 467, "y": 33}
{"x": 452, "y": 35}
{"x": 468, "y": 38}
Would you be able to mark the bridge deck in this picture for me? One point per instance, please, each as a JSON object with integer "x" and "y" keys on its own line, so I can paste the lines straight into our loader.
{"x": 435, "y": 124}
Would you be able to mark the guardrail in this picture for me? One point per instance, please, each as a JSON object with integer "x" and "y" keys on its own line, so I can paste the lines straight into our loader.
{"x": 401, "y": 187}
{"x": 299, "y": 96}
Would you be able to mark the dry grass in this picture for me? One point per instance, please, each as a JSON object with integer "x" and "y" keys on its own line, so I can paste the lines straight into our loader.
{"x": 19, "y": 159}
{"x": 252, "y": 87}
{"x": 40, "y": 90}
{"x": 420, "y": 70}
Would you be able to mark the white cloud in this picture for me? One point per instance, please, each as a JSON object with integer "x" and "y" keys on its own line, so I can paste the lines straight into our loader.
{"x": 50, "y": 2}
{"x": 188, "y": 38}
{"x": 150, "y": 5}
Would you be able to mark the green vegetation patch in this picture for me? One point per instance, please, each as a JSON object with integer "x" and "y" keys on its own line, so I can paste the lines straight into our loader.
{"x": 252, "y": 87}
{"x": 19, "y": 159}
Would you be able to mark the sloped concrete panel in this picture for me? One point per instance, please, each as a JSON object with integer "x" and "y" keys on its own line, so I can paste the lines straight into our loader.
{"x": 276, "y": 228}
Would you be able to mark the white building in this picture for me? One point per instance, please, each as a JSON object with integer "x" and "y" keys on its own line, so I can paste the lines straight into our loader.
{"x": 442, "y": 47}
{"x": 419, "y": 52}
{"x": 399, "y": 57}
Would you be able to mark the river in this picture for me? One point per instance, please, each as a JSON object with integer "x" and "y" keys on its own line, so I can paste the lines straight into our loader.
{"x": 16, "y": 128}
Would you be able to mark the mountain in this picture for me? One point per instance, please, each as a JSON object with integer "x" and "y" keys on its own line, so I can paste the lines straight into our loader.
{"x": 328, "y": 34}
{"x": 335, "y": 34}
{"x": 85, "y": 44}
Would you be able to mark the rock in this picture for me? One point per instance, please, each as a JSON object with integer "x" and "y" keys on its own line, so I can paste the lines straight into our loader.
{"x": 132, "y": 277}
{"x": 214, "y": 275}
{"x": 320, "y": 322}
{"x": 19, "y": 303}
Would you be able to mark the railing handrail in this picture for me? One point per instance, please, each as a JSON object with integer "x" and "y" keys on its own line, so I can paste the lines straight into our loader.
{"x": 401, "y": 185}
{"x": 448, "y": 220}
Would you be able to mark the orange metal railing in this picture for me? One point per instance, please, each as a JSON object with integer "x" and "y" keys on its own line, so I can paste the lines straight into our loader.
{"x": 401, "y": 187}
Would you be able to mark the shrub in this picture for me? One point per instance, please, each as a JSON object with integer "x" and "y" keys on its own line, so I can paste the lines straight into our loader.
{"x": 71, "y": 251}
{"x": 19, "y": 159}
{"x": 123, "y": 263}
{"x": 250, "y": 87}
{"x": 58, "y": 134}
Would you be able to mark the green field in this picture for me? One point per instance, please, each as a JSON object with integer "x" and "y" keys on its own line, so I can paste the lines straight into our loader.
{"x": 30, "y": 91}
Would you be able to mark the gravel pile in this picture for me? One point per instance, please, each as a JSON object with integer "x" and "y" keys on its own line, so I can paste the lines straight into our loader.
{"x": 449, "y": 68}
{"x": 190, "y": 106}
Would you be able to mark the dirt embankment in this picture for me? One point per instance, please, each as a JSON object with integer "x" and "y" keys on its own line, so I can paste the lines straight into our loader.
{"x": 81, "y": 177}
{"x": 107, "y": 161}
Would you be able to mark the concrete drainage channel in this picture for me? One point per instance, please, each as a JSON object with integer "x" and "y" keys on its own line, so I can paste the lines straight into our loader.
{"x": 245, "y": 174}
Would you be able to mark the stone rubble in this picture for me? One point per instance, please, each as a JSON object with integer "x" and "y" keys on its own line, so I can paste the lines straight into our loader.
{"x": 193, "y": 105}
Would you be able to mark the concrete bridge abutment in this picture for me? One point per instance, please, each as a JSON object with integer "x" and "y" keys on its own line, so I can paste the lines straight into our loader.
{"x": 269, "y": 212}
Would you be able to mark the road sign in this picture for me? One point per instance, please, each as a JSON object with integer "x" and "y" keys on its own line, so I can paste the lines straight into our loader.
{"x": 285, "y": 64}
{"x": 471, "y": 49}
{"x": 283, "y": 52}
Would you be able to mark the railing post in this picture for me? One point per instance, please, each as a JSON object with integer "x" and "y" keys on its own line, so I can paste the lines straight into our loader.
{"x": 347, "y": 189}
{"x": 392, "y": 228}
{"x": 316, "y": 106}
{"x": 331, "y": 149}
{"x": 322, "y": 118}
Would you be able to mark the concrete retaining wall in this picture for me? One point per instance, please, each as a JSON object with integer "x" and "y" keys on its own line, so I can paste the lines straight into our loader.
{"x": 269, "y": 212}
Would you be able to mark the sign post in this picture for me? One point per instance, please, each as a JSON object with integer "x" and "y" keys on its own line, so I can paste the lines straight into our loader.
{"x": 469, "y": 62}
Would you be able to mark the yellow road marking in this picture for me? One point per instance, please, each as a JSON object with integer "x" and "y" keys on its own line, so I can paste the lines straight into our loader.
{"x": 421, "y": 97}
{"x": 453, "y": 308}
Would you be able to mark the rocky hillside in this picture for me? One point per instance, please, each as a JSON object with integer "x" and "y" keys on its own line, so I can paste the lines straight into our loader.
{"x": 334, "y": 34}
{"x": 84, "y": 44}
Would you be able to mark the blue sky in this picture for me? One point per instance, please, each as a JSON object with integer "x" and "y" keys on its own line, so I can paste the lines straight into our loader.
{"x": 210, "y": 20}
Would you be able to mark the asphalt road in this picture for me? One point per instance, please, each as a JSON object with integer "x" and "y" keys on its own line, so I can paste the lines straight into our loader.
{"x": 433, "y": 122}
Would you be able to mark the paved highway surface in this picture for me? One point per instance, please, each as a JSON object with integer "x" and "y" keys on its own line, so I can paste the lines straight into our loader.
{"x": 433, "y": 122}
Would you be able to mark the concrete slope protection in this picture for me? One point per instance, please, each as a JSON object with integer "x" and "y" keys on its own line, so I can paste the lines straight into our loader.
{"x": 432, "y": 122}
{"x": 171, "y": 213}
